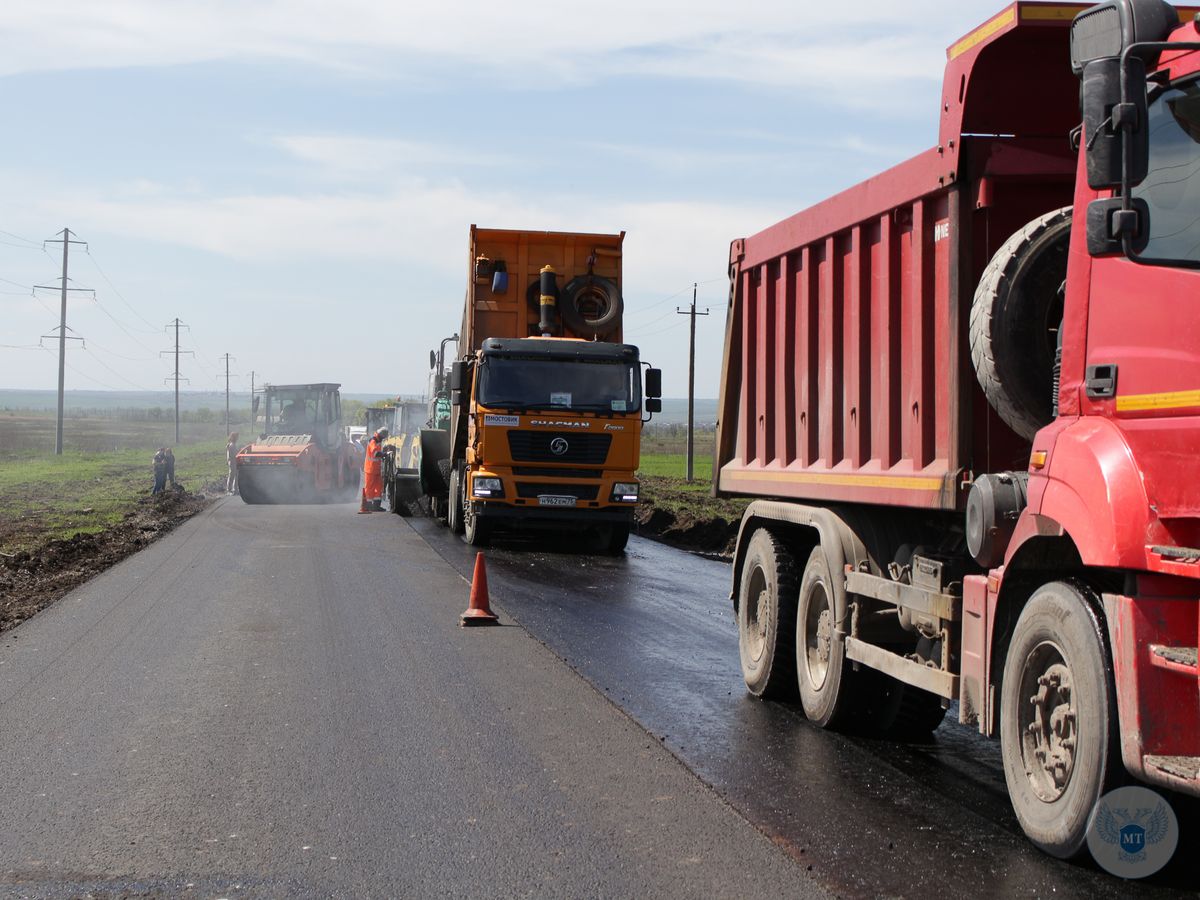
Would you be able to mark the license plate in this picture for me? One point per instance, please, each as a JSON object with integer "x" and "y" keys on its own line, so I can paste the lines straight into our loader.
{"x": 556, "y": 500}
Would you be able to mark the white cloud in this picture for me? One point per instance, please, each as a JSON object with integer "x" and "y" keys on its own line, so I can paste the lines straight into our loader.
{"x": 344, "y": 157}
{"x": 846, "y": 48}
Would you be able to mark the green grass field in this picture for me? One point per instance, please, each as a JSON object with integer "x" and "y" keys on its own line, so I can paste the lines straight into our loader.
{"x": 666, "y": 457}
{"x": 674, "y": 465}
{"x": 43, "y": 496}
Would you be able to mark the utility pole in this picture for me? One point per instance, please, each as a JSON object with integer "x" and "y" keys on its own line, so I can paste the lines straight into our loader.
{"x": 62, "y": 333}
{"x": 691, "y": 434}
{"x": 227, "y": 358}
{"x": 176, "y": 325}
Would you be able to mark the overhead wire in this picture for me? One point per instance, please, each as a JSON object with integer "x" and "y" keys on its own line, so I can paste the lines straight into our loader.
{"x": 672, "y": 327}
{"x": 129, "y": 334}
{"x": 83, "y": 375}
{"x": 149, "y": 324}
{"x": 115, "y": 372}
{"x": 683, "y": 290}
{"x": 21, "y": 238}
{"x": 104, "y": 349}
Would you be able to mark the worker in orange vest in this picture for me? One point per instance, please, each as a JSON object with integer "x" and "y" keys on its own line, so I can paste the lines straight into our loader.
{"x": 373, "y": 469}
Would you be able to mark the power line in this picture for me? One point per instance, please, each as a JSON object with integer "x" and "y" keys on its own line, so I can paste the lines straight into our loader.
{"x": 227, "y": 359}
{"x": 118, "y": 374}
{"x": 84, "y": 376}
{"x": 176, "y": 324}
{"x": 680, "y": 292}
{"x": 153, "y": 329}
{"x": 20, "y": 238}
{"x": 691, "y": 432}
{"x": 62, "y": 332}
{"x": 672, "y": 327}
{"x": 116, "y": 355}
{"x": 127, "y": 332}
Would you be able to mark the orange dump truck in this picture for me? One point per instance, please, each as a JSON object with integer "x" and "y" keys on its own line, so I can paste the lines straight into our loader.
{"x": 547, "y": 402}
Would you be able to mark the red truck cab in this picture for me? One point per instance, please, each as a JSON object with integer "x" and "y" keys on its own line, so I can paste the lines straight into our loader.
{"x": 1113, "y": 478}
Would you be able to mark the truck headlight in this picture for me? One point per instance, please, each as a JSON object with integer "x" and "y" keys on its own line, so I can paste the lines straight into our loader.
{"x": 625, "y": 492}
{"x": 487, "y": 487}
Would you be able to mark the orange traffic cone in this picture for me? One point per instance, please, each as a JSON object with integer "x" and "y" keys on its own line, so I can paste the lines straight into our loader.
{"x": 479, "y": 612}
{"x": 363, "y": 507}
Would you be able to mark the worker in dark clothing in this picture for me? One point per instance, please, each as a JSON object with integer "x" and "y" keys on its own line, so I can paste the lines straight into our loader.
{"x": 160, "y": 470}
{"x": 294, "y": 414}
{"x": 169, "y": 460}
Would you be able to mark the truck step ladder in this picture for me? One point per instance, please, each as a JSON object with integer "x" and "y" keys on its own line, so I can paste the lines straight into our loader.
{"x": 1176, "y": 768}
{"x": 1175, "y": 659}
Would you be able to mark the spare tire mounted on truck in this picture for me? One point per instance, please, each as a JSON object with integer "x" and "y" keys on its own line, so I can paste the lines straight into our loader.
{"x": 1015, "y": 318}
{"x": 589, "y": 304}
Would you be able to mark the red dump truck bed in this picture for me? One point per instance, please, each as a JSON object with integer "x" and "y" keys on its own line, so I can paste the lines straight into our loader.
{"x": 846, "y": 374}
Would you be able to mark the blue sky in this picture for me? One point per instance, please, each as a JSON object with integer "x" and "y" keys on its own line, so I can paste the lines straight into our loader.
{"x": 295, "y": 181}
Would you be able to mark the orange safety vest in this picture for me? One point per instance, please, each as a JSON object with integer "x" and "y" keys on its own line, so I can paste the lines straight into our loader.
{"x": 373, "y": 471}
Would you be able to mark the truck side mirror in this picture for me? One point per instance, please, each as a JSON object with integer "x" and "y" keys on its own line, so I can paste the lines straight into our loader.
{"x": 1108, "y": 222}
{"x": 653, "y": 405}
{"x": 254, "y": 410}
{"x": 457, "y": 371}
{"x": 653, "y": 384}
{"x": 1107, "y": 118}
{"x": 432, "y": 359}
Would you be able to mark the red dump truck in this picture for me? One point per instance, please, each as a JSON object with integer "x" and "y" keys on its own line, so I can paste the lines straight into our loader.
{"x": 966, "y": 394}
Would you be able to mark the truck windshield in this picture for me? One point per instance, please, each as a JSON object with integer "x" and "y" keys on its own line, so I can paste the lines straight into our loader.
{"x": 1172, "y": 189}
{"x": 542, "y": 383}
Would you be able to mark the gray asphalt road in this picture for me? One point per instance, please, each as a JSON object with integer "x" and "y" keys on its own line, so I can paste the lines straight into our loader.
{"x": 654, "y": 630}
{"x": 278, "y": 701}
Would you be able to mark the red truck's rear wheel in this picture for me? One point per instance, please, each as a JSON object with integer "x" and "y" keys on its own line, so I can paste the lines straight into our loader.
{"x": 767, "y": 617}
{"x": 820, "y": 650}
{"x": 1058, "y": 728}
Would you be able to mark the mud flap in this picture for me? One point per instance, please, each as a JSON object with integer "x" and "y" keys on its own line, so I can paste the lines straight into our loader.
{"x": 406, "y": 486}
{"x": 435, "y": 448}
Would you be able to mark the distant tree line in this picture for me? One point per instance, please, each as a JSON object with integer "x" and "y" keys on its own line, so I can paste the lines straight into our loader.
{"x": 145, "y": 414}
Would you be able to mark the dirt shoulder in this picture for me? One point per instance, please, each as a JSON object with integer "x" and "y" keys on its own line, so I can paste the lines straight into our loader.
{"x": 686, "y": 516}
{"x": 33, "y": 578}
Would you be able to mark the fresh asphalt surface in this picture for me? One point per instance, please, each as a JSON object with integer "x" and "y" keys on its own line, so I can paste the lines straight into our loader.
{"x": 277, "y": 701}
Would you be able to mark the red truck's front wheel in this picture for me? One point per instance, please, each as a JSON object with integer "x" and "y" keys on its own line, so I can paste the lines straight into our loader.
{"x": 1058, "y": 729}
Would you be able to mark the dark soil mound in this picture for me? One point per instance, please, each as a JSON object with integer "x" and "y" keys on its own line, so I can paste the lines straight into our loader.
{"x": 678, "y": 515}
{"x": 30, "y": 580}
